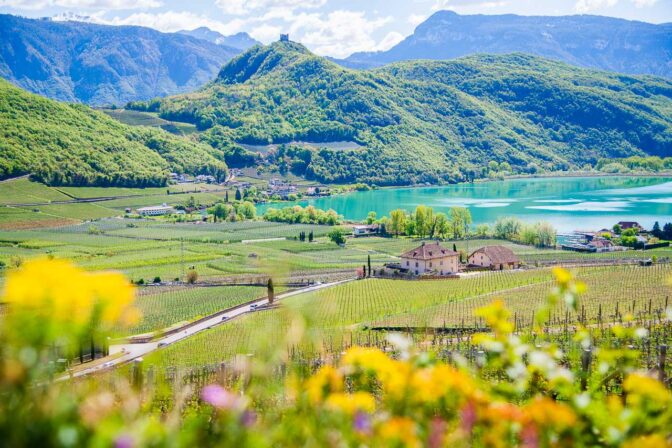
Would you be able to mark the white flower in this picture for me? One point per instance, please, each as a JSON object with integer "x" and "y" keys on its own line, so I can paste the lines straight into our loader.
{"x": 582, "y": 400}
{"x": 641, "y": 333}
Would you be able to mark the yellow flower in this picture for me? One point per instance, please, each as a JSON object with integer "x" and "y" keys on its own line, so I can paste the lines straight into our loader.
{"x": 325, "y": 381}
{"x": 550, "y": 414}
{"x": 651, "y": 441}
{"x": 496, "y": 315}
{"x": 562, "y": 276}
{"x": 351, "y": 403}
{"x": 57, "y": 290}
{"x": 642, "y": 388}
{"x": 400, "y": 430}
{"x": 365, "y": 358}
{"x": 432, "y": 383}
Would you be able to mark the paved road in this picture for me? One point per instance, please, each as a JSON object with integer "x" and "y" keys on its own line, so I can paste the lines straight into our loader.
{"x": 133, "y": 351}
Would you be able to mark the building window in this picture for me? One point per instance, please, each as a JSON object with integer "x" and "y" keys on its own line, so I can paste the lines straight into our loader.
{"x": 407, "y": 263}
{"x": 416, "y": 272}
{"x": 416, "y": 264}
{"x": 430, "y": 264}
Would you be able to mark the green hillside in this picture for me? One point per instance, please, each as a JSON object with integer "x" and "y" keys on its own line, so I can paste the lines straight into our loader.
{"x": 428, "y": 121}
{"x": 63, "y": 144}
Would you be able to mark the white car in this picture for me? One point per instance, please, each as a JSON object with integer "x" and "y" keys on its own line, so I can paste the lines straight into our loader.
{"x": 108, "y": 364}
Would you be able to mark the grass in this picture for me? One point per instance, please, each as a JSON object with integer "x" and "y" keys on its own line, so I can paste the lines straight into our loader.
{"x": 23, "y": 190}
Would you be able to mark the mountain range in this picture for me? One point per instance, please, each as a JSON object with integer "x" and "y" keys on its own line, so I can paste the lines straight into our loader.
{"x": 102, "y": 65}
{"x": 72, "y": 144}
{"x": 605, "y": 43}
{"x": 427, "y": 121}
{"x": 241, "y": 41}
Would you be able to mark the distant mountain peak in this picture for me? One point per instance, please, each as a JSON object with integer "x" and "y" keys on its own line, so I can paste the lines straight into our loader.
{"x": 605, "y": 43}
{"x": 263, "y": 59}
{"x": 241, "y": 40}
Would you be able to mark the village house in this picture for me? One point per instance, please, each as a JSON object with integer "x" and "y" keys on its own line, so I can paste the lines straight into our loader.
{"x": 625, "y": 225}
{"x": 365, "y": 230}
{"x": 431, "y": 258}
{"x": 156, "y": 210}
{"x": 602, "y": 244}
{"x": 496, "y": 258}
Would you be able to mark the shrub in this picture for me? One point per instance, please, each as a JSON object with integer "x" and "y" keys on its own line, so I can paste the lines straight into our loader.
{"x": 157, "y": 280}
{"x": 192, "y": 276}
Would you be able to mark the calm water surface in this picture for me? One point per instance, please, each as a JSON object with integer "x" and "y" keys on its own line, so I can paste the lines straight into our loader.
{"x": 569, "y": 203}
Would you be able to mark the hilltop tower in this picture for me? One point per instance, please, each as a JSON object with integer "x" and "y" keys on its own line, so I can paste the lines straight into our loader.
{"x": 284, "y": 38}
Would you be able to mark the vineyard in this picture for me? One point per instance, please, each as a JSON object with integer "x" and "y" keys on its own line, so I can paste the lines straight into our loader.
{"x": 335, "y": 316}
{"x": 162, "y": 307}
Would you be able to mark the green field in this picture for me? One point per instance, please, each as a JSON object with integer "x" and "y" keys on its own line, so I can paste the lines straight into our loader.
{"x": 137, "y": 118}
{"x": 22, "y": 190}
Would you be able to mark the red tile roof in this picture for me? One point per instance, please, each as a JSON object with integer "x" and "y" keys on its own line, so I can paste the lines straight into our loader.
{"x": 498, "y": 254}
{"x": 429, "y": 251}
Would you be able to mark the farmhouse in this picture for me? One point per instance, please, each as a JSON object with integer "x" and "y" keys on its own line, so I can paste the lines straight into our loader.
{"x": 494, "y": 257}
{"x": 625, "y": 225}
{"x": 365, "y": 230}
{"x": 430, "y": 258}
{"x": 156, "y": 210}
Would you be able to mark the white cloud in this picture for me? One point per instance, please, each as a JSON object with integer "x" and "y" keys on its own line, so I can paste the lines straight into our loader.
{"x": 417, "y": 19}
{"x": 338, "y": 33}
{"x": 86, "y": 4}
{"x": 467, "y": 6}
{"x": 242, "y": 7}
{"x": 644, "y": 3}
{"x": 584, "y": 6}
{"x": 390, "y": 40}
{"x": 171, "y": 21}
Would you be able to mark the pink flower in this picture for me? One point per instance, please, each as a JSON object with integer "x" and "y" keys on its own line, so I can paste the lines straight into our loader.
{"x": 437, "y": 431}
{"x": 221, "y": 398}
{"x": 124, "y": 441}
{"x": 468, "y": 415}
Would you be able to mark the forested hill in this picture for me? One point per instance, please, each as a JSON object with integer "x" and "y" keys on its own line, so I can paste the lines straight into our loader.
{"x": 430, "y": 121}
{"x": 63, "y": 144}
{"x": 605, "y": 43}
{"x": 99, "y": 64}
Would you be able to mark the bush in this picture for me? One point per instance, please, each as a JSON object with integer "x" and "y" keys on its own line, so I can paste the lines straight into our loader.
{"x": 157, "y": 280}
{"x": 192, "y": 276}
{"x": 337, "y": 236}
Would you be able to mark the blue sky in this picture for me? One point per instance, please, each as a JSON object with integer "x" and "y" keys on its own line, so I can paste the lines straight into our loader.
{"x": 328, "y": 27}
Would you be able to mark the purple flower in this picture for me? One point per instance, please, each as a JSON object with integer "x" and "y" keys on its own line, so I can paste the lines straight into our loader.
{"x": 221, "y": 398}
{"x": 362, "y": 423}
{"x": 124, "y": 441}
{"x": 248, "y": 418}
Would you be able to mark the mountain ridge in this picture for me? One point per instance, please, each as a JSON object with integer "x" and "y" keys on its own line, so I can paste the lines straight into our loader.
{"x": 72, "y": 144}
{"x": 429, "y": 121}
{"x": 590, "y": 41}
{"x": 101, "y": 64}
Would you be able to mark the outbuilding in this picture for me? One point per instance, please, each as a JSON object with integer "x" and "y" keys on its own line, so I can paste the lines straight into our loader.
{"x": 496, "y": 258}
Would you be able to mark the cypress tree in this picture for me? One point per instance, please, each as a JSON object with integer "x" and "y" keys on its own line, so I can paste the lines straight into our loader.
{"x": 271, "y": 291}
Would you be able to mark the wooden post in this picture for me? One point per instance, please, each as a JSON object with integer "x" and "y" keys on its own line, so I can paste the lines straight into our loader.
{"x": 586, "y": 359}
{"x": 662, "y": 357}
{"x": 136, "y": 373}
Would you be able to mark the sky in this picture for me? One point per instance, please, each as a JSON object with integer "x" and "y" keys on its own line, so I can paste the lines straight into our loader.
{"x": 335, "y": 28}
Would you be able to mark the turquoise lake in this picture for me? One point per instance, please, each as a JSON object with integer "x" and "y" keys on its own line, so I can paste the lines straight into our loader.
{"x": 569, "y": 203}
